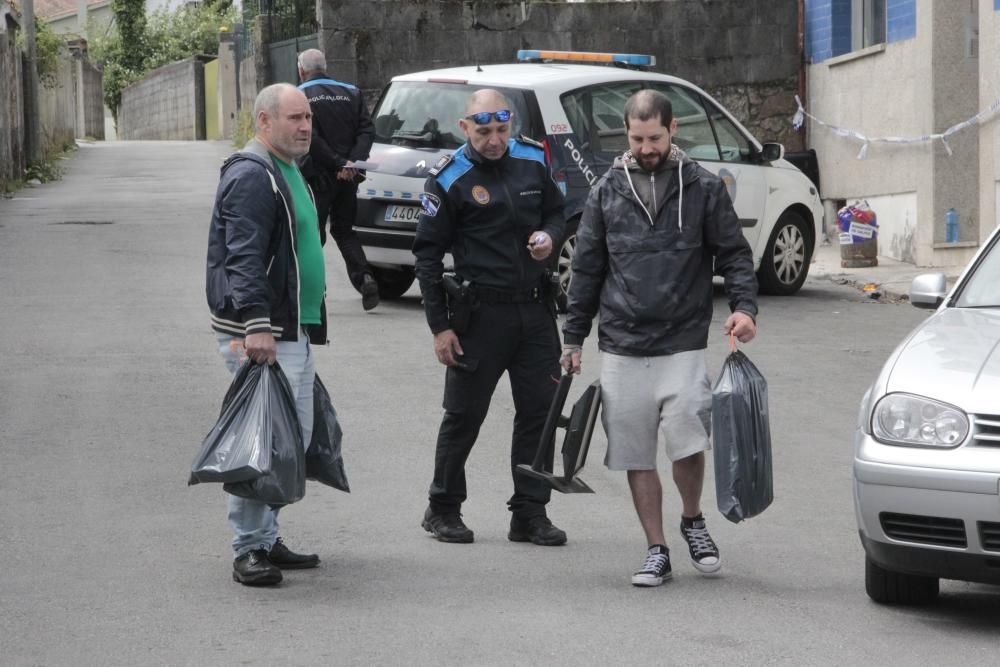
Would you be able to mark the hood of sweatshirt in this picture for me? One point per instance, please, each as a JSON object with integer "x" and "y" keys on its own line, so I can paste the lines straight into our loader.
{"x": 649, "y": 187}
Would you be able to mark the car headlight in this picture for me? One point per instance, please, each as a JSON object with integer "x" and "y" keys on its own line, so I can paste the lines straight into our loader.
{"x": 905, "y": 419}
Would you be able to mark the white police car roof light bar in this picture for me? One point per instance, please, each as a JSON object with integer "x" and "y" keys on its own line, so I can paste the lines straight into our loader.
{"x": 622, "y": 59}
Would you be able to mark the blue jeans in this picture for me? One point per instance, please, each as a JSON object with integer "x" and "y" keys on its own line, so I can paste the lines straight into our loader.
{"x": 255, "y": 524}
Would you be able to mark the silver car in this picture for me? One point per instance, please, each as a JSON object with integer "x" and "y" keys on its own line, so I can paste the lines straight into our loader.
{"x": 927, "y": 445}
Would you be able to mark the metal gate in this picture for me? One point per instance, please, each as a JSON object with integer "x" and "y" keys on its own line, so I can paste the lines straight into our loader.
{"x": 283, "y": 58}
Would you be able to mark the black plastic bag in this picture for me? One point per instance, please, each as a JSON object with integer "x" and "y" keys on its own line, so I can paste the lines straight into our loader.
{"x": 238, "y": 446}
{"x": 742, "y": 440}
{"x": 285, "y": 482}
{"x": 324, "y": 461}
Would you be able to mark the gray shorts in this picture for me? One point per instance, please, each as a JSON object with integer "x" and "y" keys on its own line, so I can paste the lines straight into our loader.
{"x": 644, "y": 397}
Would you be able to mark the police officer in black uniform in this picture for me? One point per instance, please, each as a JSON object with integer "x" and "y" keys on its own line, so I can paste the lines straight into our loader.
{"x": 494, "y": 206}
{"x": 342, "y": 133}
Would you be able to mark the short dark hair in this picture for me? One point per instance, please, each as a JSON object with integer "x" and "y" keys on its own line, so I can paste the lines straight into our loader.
{"x": 646, "y": 104}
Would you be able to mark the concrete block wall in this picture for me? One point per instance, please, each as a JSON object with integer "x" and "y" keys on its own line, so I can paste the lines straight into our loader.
{"x": 90, "y": 100}
{"x": 57, "y": 105}
{"x": 167, "y": 104}
{"x": 747, "y": 51}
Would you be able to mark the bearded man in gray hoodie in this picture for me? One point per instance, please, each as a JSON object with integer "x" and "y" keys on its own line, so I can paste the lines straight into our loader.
{"x": 654, "y": 230}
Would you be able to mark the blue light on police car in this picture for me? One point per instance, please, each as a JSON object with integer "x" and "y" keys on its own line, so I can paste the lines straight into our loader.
{"x": 587, "y": 56}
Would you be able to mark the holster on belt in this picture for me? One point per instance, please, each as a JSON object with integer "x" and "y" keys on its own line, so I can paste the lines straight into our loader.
{"x": 460, "y": 297}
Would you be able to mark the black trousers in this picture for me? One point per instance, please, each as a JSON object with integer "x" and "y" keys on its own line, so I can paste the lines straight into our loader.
{"x": 522, "y": 340}
{"x": 339, "y": 201}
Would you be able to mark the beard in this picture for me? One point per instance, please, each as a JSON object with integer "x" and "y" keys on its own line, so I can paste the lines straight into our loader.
{"x": 651, "y": 162}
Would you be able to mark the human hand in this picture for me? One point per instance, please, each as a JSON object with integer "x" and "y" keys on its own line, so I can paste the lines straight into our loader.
{"x": 741, "y": 325}
{"x": 347, "y": 174}
{"x": 261, "y": 347}
{"x": 540, "y": 245}
{"x": 446, "y": 347}
{"x": 571, "y": 358}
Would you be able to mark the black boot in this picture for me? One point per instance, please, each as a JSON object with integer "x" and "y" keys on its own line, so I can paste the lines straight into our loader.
{"x": 447, "y": 527}
{"x": 255, "y": 569}
{"x": 286, "y": 559}
{"x": 537, "y": 530}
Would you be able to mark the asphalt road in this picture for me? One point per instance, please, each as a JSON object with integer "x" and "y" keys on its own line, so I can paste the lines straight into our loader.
{"x": 111, "y": 380}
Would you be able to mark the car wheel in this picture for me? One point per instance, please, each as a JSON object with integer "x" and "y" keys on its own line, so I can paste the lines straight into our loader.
{"x": 393, "y": 283}
{"x": 786, "y": 257}
{"x": 562, "y": 265}
{"x": 889, "y": 587}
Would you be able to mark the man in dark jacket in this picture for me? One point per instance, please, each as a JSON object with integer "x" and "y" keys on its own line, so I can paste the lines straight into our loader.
{"x": 342, "y": 135}
{"x": 653, "y": 228}
{"x": 494, "y": 206}
{"x": 265, "y": 282}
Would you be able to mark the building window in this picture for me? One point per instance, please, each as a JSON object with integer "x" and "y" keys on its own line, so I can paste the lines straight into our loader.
{"x": 867, "y": 23}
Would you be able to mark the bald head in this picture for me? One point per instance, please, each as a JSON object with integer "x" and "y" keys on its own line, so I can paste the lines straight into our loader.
{"x": 649, "y": 104}
{"x": 485, "y": 99}
{"x": 312, "y": 61}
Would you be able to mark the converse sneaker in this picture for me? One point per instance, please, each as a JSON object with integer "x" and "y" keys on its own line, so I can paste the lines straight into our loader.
{"x": 656, "y": 569}
{"x": 704, "y": 553}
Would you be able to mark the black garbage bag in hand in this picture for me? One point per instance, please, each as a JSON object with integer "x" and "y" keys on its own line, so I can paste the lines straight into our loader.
{"x": 238, "y": 447}
{"x": 744, "y": 486}
{"x": 285, "y": 482}
{"x": 324, "y": 461}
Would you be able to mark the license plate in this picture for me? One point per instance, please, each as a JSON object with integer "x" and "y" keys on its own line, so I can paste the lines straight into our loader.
{"x": 402, "y": 213}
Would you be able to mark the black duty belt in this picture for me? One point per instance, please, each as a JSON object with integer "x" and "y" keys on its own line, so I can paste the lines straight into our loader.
{"x": 491, "y": 295}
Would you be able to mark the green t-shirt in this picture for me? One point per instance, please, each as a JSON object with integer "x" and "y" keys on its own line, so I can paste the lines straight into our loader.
{"x": 312, "y": 271}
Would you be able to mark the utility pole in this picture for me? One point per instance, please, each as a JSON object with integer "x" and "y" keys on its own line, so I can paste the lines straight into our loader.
{"x": 32, "y": 128}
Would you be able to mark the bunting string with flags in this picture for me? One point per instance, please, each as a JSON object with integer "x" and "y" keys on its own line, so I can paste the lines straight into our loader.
{"x": 980, "y": 118}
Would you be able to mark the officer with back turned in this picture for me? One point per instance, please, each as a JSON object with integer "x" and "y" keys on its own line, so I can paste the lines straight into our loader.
{"x": 494, "y": 206}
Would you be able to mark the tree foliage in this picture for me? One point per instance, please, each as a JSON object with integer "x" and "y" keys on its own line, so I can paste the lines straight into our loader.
{"x": 135, "y": 45}
{"x": 47, "y": 48}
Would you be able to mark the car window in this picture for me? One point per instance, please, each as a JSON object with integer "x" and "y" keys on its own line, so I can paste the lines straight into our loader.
{"x": 595, "y": 114}
{"x": 426, "y": 114}
{"x": 733, "y": 144}
{"x": 694, "y": 131}
{"x": 983, "y": 286}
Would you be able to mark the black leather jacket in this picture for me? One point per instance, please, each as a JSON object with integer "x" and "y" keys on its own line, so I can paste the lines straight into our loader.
{"x": 483, "y": 211}
{"x": 252, "y": 275}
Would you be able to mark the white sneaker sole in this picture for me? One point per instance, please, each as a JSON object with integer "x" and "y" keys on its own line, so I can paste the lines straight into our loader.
{"x": 707, "y": 568}
{"x": 649, "y": 581}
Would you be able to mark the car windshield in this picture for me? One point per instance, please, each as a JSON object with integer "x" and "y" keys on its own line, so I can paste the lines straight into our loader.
{"x": 983, "y": 287}
{"x": 425, "y": 115}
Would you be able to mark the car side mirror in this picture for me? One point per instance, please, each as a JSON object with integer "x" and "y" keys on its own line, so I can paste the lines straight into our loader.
{"x": 771, "y": 152}
{"x": 928, "y": 290}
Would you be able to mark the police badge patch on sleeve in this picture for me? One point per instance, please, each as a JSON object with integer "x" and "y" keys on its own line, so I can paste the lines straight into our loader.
{"x": 430, "y": 204}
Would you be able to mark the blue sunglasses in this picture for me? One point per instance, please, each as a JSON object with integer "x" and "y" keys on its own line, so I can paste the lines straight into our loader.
{"x": 483, "y": 117}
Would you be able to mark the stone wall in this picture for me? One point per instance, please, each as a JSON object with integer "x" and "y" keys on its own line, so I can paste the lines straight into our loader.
{"x": 744, "y": 52}
{"x": 69, "y": 101}
{"x": 169, "y": 103}
{"x": 12, "y": 158}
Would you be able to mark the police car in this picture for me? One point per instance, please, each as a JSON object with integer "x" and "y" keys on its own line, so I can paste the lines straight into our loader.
{"x": 575, "y": 111}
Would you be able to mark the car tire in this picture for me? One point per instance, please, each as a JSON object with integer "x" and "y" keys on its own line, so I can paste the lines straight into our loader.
{"x": 562, "y": 265}
{"x": 789, "y": 250}
{"x": 887, "y": 587}
{"x": 393, "y": 283}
